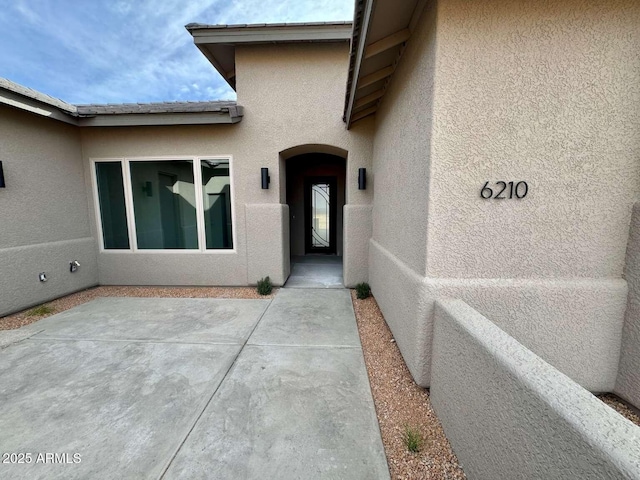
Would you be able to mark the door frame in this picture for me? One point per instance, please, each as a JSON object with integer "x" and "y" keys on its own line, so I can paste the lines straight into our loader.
{"x": 333, "y": 210}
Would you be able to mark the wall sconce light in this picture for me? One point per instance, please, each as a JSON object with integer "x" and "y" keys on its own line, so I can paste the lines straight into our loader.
{"x": 147, "y": 187}
{"x": 2, "y": 185}
{"x": 362, "y": 179}
{"x": 265, "y": 178}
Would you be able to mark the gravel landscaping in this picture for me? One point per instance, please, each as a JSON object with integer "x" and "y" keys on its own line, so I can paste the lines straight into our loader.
{"x": 31, "y": 315}
{"x": 401, "y": 404}
{"x": 402, "y": 407}
{"x": 620, "y": 406}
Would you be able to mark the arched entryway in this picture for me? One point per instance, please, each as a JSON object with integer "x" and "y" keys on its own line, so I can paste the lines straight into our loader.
{"x": 314, "y": 190}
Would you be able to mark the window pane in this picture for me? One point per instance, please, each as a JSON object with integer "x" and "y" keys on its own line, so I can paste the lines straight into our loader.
{"x": 113, "y": 213}
{"x": 164, "y": 204}
{"x": 216, "y": 192}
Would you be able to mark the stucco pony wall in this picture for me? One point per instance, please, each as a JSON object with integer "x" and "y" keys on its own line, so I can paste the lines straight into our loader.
{"x": 509, "y": 414}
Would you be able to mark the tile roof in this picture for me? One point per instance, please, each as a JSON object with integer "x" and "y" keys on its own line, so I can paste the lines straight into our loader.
{"x": 35, "y": 95}
{"x": 158, "y": 107}
{"x": 197, "y": 26}
{"x": 123, "y": 108}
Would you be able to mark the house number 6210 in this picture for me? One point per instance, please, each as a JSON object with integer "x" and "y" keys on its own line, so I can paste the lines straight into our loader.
{"x": 501, "y": 192}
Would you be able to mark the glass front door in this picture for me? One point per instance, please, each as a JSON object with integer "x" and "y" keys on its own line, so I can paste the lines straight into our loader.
{"x": 320, "y": 193}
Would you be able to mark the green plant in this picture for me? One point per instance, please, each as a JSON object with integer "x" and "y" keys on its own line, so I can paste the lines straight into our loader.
{"x": 41, "y": 311}
{"x": 264, "y": 286}
{"x": 363, "y": 290}
{"x": 412, "y": 439}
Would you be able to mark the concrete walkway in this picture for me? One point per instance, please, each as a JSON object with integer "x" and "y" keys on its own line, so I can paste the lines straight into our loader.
{"x": 192, "y": 388}
{"x": 316, "y": 271}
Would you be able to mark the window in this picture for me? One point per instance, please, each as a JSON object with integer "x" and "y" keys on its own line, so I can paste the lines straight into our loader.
{"x": 181, "y": 204}
{"x": 216, "y": 199}
{"x": 112, "y": 205}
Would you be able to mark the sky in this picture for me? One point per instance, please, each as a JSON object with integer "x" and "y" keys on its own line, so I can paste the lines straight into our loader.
{"x": 131, "y": 51}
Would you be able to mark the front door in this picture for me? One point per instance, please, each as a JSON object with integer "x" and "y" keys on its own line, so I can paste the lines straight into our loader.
{"x": 320, "y": 214}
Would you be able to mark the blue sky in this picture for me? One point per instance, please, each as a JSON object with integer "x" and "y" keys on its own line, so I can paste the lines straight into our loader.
{"x": 117, "y": 51}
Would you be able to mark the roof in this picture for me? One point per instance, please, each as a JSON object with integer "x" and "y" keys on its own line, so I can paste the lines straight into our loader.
{"x": 161, "y": 113}
{"x": 218, "y": 42}
{"x": 144, "y": 108}
{"x": 380, "y": 31}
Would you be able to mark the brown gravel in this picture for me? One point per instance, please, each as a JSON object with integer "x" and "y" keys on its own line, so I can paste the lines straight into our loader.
{"x": 620, "y": 406}
{"x": 400, "y": 403}
{"x": 20, "y": 319}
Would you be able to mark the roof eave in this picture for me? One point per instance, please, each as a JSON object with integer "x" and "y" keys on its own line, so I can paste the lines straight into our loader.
{"x": 32, "y": 105}
{"x": 230, "y": 116}
{"x": 218, "y": 42}
{"x": 381, "y": 29}
{"x": 270, "y": 33}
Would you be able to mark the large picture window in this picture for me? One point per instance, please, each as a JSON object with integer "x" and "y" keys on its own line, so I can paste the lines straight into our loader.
{"x": 177, "y": 204}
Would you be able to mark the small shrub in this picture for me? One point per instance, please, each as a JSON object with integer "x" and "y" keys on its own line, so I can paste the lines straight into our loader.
{"x": 41, "y": 311}
{"x": 264, "y": 286}
{"x": 412, "y": 439}
{"x": 363, "y": 290}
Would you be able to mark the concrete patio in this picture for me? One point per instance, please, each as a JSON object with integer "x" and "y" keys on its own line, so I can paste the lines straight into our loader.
{"x": 192, "y": 388}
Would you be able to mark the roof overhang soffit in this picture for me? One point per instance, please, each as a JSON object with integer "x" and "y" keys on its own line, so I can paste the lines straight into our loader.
{"x": 381, "y": 31}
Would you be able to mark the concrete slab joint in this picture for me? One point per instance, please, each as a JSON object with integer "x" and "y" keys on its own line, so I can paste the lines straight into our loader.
{"x": 193, "y": 388}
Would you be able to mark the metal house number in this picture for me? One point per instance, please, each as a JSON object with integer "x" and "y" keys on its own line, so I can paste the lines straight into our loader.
{"x": 504, "y": 190}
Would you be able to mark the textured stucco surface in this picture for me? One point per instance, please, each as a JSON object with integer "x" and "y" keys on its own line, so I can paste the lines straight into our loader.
{"x": 575, "y": 325}
{"x": 509, "y": 414}
{"x": 267, "y": 248}
{"x": 548, "y": 93}
{"x": 44, "y": 212}
{"x": 628, "y": 381}
{"x": 292, "y": 96}
{"x": 357, "y": 232}
{"x": 19, "y": 284}
{"x": 489, "y": 91}
{"x": 402, "y": 151}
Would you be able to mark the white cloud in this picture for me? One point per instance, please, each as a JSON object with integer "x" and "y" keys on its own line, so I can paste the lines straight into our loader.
{"x": 126, "y": 51}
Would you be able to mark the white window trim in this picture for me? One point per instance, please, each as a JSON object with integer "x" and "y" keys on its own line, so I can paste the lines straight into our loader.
{"x": 128, "y": 198}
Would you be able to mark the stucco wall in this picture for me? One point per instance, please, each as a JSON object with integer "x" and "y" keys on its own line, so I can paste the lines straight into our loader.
{"x": 267, "y": 255}
{"x": 292, "y": 95}
{"x": 44, "y": 211}
{"x": 509, "y": 414}
{"x": 401, "y": 171}
{"x": 509, "y": 102}
{"x": 402, "y": 151}
{"x": 549, "y": 93}
{"x": 358, "y": 226}
{"x": 628, "y": 381}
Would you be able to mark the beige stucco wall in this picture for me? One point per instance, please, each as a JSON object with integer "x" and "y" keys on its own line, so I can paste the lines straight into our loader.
{"x": 292, "y": 95}
{"x": 44, "y": 211}
{"x": 545, "y": 93}
{"x": 509, "y": 414}
{"x": 401, "y": 173}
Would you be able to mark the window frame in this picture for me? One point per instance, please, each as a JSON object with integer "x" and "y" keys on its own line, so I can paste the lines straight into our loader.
{"x": 129, "y": 208}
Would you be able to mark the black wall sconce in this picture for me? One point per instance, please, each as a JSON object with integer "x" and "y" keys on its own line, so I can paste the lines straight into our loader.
{"x": 2, "y": 185}
{"x": 265, "y": 178}
{"x": 147, "y": 187}
{"x": 362, "y": 179}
